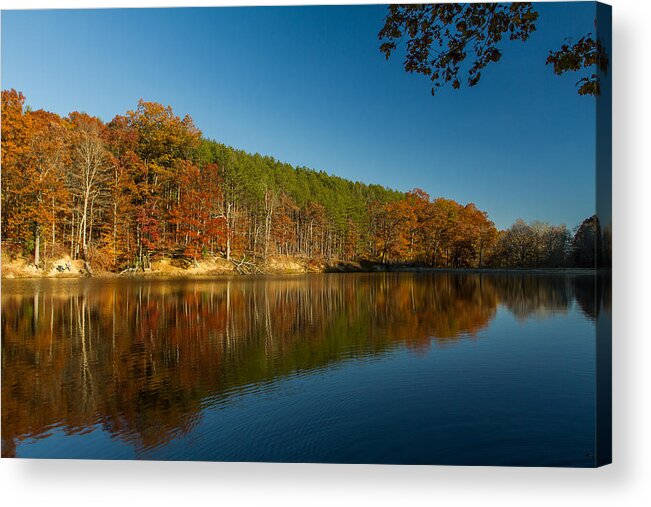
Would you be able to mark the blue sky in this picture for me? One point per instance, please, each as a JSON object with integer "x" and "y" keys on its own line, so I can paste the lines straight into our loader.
{"x": 309, "y": 86}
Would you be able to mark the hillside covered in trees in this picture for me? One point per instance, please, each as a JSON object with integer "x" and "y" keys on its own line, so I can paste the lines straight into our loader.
{"x": 148, "y": 185}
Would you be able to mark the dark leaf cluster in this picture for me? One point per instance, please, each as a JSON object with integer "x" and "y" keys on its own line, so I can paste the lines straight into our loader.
{"x": 442, "y": 37}
{"x": 586, "y": 53}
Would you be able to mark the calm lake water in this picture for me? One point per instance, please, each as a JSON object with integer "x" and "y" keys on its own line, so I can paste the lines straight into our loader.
{"x": 348, "y": 368}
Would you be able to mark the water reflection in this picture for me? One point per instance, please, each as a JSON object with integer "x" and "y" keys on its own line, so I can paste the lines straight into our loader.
{"x": 144, "y": 358}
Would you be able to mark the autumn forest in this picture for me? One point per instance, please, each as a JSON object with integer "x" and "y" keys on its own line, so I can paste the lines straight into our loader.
{"x": 147, "y": 185}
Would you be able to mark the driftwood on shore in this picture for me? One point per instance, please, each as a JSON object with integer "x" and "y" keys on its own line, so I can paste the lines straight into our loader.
{"x": 244, "y": 267}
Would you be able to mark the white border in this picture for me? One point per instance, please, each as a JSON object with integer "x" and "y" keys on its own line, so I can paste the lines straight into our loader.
{"x": 626, "y": 482}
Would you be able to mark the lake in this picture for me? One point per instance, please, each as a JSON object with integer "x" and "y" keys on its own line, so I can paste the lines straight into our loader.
{"x": 423, "y": 368}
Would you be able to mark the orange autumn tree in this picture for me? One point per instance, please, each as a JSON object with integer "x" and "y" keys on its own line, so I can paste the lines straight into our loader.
{"x": 15, "y": 151}
{"x": 481, "y": 233}
{"x": 444, "y": 230}
{"x": 128, "y": 190}
{"x": 200, "y": 226}
{"x": 440, "y": 232}
{"x": 396, "y": 222}
{"x": 44, "y": 191}
{"x": 164, "y": 142}
{"x": 33, "y": 178}
{"x": 421, "y": 233}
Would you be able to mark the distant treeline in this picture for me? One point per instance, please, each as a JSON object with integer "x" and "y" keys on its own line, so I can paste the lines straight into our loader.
{"x": 147, "y": 184}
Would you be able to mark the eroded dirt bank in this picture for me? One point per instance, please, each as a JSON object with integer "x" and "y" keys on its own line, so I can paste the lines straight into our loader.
{"x": 64, "y": 267}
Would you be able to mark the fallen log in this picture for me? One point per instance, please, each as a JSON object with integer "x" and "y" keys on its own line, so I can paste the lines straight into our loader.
{"x": 244, "y": 267}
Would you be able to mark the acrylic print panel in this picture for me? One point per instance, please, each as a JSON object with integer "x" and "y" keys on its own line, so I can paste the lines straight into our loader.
{"x": 341, "y": 234}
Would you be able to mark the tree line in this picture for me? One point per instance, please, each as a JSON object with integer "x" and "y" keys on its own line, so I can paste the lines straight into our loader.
{"x": 147, "y": 185}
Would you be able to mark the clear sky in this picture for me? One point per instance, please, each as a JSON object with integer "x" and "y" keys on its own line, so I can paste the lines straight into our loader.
{"x": 309, "y": 86}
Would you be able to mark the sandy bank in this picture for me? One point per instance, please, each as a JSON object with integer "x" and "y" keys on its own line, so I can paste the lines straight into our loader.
{"x": 165, "y": 267}
{"x": 219, "y": 266}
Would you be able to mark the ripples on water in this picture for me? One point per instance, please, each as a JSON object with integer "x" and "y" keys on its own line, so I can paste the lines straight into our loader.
{"x": 381, "y": 368}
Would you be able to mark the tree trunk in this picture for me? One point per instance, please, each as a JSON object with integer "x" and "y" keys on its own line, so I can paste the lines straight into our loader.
{"x": 37, "y": 245}
{"x": 72, "y": 235}
{"x": 84, "y": 221}
{"x": 53, "y": 227}
{"x": 115, "y": 233}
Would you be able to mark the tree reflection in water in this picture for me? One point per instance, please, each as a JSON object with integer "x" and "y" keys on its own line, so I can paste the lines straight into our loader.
{"x": 143, "y": 358}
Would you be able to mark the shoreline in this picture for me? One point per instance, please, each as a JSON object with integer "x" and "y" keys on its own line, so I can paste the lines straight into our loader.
{"x": 291, "y": 267}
